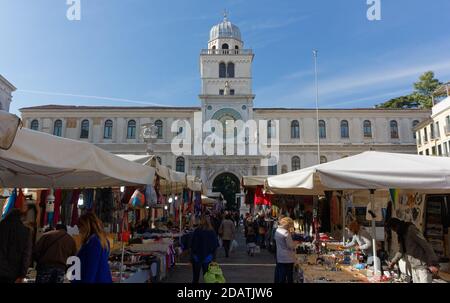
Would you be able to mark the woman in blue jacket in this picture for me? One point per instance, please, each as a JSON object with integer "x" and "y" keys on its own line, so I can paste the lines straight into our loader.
{"x": 203, "y": 247}
{"x": 94, "y": 252}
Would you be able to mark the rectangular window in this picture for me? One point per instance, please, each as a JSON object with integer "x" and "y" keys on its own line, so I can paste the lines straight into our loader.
{"x": 272, "y": 170}
{"x": 445, "y": 150}
{"x": 221, "y": 92}
{"x": 427, "y": 152}
{"x": 433, "y": 151}
{"x": 232, "y": 92}
{"x": 432, "y": 133}
{"x": 447, "y": 124}
{"x": 440, "y": 150}
{"x": 438, "y": 132}
{"x": 425, "y": 135}
{"x": 419, "y": 138}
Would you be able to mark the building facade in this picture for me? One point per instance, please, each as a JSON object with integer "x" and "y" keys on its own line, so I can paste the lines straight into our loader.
{"x": 226, "y": 94}
{"x": 433, "y": 134}
{"x": 6, "y": 90}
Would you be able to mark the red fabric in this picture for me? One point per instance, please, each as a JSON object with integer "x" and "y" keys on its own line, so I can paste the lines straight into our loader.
{"x": 261, "y": 198}
{"x": 20, "y": 200}
{"x": 74, "y": 202}
{"x": 58, "y": 201}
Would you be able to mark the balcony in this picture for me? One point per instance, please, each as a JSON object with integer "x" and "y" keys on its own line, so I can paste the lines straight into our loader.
{"x": 226, "y": 52}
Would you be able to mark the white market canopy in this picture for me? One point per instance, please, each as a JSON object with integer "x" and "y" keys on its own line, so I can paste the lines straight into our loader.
{"x": 9, "y": 124}
{"x": 253, "y": 181}
{"x": 368, "y": 170}
{"x": 39, "y": 160}
{"x": 171, "y": 181}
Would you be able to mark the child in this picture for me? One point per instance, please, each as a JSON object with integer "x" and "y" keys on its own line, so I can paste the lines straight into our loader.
{"x": 251, "y": 241}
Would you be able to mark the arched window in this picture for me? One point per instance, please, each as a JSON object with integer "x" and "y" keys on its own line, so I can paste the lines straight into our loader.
{"x": 322, "y": 129}
{"x": 230, "y": 70}
{"x": 295, "y": 163}
{"x": 236, "y": 47}
{"x": 180, "y": 164}
{"x": 344, "y": 129}
{"x": 272, "y": 170}
{"x": 394, "y": 129}
{"x": 214, "y": 47}
{"x": 35, "y": 125}
{"x": 414, "y": 124}
{"x": 284, "y": 169}
{"x": 159, "y": 125}
{"x": 84, "y": 129}
{"x": 57, "y": 128}
{"x": 295, "y": 129}
{"x": 225, "y": 46}
{"x": 131, "y": 129}
{"x": 107, "y": 132}
{"x": 323, "y": 159}
{"x": 254, "y": 171}
{"x": 367, "y": 128}
{"x": 222, "y": 70}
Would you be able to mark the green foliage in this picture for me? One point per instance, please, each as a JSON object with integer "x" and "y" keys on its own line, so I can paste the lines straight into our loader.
{"x": 420, "y": 98}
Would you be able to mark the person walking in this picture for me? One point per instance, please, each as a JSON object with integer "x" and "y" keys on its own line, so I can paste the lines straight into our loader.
{"x": 203, "y": 248}
{"x": 415, "y": 249}
{"x": 51, "y": 253}
{"x": 250, "y": 239}
{"x": 15, "y": 248}
{"x": 226, "y": 232}
{"x": 284, "y": 270}
{"x": 262, "y": 231}
{"x": 94, "y": 251}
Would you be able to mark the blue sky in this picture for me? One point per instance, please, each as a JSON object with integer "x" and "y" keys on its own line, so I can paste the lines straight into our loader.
{"x": 138, "y": 52}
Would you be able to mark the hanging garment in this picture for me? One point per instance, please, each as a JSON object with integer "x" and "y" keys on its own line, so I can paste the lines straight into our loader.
{"x": 20, "y": 201}
{"x": 261, "y": 198}
{"x": 88, "y": 196}
{"x": 9, "y": 204}
{"x": 74, "y": 202}
{"x": 43, "y": 201}
{"x": 66, "y": 207}
{"x": 104, "y": 204}
{"x": 57, "y": 209}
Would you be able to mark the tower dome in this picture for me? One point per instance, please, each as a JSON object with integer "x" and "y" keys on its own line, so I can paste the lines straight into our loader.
{"x": 225, "y": 29}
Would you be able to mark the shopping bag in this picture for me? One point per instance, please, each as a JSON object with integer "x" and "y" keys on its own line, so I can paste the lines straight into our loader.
{"x": 137, "y": 200}
{"x": 214, "y": 274}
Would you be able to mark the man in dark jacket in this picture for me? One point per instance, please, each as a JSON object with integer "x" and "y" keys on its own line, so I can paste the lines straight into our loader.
{"x": 15, "y": 248}
{"x": 51, "y": 253}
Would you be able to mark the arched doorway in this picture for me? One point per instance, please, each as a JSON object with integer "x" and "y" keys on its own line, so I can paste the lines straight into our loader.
{"x": 227, "y": 184}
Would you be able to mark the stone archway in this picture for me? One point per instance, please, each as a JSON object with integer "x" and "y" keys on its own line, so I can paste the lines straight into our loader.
{"x": 229, "y": 185}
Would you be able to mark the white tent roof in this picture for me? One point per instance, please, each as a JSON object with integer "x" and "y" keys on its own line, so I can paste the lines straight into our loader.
{"x": 253, "y": 181}
{"x": 368, "y": 170}
{"x": 39, "y": 160}
{"x": 9, "y": 124}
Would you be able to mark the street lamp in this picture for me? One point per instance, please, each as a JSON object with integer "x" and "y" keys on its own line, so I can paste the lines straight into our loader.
{"x": 149, "y": 132}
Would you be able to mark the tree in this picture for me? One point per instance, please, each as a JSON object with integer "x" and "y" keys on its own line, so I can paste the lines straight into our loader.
{"x": 425, "y": 87}
{"x": 420, "y": 98}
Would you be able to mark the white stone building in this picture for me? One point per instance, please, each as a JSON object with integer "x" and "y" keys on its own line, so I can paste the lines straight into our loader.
{"x": 226, "y": 94}
{"x": 6, "y": 90}
{"x": 433, "y": 134}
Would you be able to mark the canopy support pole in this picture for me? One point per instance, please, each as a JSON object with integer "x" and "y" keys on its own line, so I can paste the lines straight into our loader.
{"x": 376, "y": 264}
{"x": 344, "y": 215}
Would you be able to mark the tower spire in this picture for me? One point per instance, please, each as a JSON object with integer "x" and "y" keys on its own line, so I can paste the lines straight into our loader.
{"x": 225, "y": 15}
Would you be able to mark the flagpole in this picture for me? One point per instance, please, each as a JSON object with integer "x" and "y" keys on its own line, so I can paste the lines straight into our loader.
{"x": 317, "y": 105}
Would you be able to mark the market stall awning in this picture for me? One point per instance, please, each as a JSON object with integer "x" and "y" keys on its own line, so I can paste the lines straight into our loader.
{"x": 208, "y": 201}
{"x": 9, "y": 125}
{"x": 40, "y": 160}
{"x": 194, "y": 184}
{"x": 368, "y": 170}
{"x": 253, "y": 181}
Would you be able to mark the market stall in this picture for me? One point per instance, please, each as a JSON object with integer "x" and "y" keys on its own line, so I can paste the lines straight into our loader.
{"x": 372, "y": 172}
